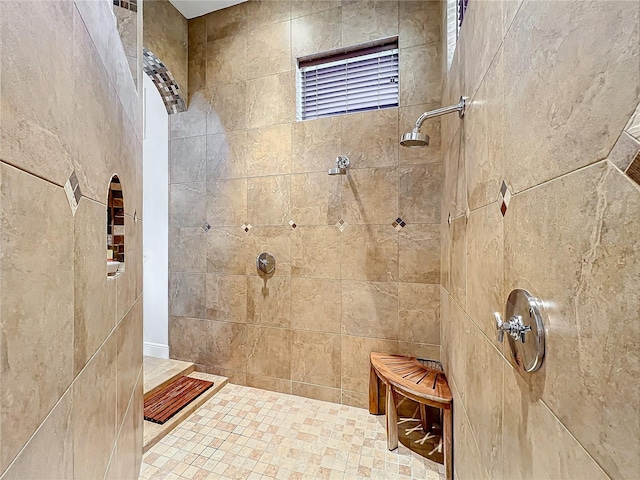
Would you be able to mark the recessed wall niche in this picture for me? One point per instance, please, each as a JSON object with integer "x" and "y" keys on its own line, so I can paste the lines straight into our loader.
{"x": 115, "y": 228}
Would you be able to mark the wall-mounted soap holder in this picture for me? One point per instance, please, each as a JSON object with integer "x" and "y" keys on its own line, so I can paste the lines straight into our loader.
{"x": 524, "y": 329}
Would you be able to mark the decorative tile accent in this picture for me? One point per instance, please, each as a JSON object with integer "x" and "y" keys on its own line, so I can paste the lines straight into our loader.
{"x": 341, "y": 225}
{"x": 164, "y": 82}
{"x": 246, "y": 227}
{"x": 206, "y": 227}
{"x": 634, "y": 170}
{"x": 504, "y": 197}
{"x": 72, "y": 189}
{"x": 292, "y": 224}
{"x": 398, "y": 224}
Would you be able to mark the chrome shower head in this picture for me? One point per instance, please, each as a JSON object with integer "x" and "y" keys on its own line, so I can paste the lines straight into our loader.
{"x": 415, "y": 139}
{"x": 342, "y": 163}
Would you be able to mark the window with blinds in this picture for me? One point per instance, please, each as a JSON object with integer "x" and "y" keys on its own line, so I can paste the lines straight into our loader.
{"x": 348, "y": 82}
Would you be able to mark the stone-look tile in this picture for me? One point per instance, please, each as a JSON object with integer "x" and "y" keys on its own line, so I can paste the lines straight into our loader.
{"x": 407, "y": 120}
{"x": 269, "y": 351}
{"x": 52, "y": 446}
{"x": 370, "y": 309}
{"x": 227, "y": 155}
{"x": 266, "y": 12}
{"x": 300, "y": 8}
{"x": 370, "y": 252}
{"x": 187, "y": 295}
{"x": 94, "y": 295}
{"x": 197, "y": 32}
{"x": 37, "y": 327}
{"x": 420, "y": 75}
{"x": 624, "y": 151}
{"x": 194, "y": 120}
{"x": 458, "y": 261}
{"x": 483, "y": 127}
{"x": 419, "y": 22}
{"x": 365, "y": 20}
{"x": 270, "y": 100}
{"x": 485, "y": 275}
{"x": 419, "y": 254}
{"x": 271, "y": 384}
{"x": 38, "y": 136}
{"x": 187, "y": 204}
{"x": 268, "y": 200}
{"x": 197, "y": 68}
{"x": 316, "y": 304}
{"x": 452, "y": 89}
{"x": 188, "y": 339}
{"x": 315, "y": 358}
{"x": 589, "y": 103}
{"x": 227, "y": 298}
{"x": 419, "y": 313}
{"x": 269, "y": 150}
{"x": 315, "y": 252}
{"x": 226, "y": 22}
{"x": 227, "y": 60}
{"x": 370, "y": 139}
{"x": 269, "y": 50}
{"x": 269, "y": 301}
{"x": 188, "y": 159}
{"x": 227, "y": 202}
{"x": 319, "y": 32}
{"x": 355, "y": 361}
{"x": 128, "y": 337}
{"x": 445, "y": 257}
{"x": 274, "y": 240}
{"x": 531, "y": 431}
{"x": 419, "y": 193}
{"x": 127, "y": 445}
{"x": 315, "y": 199}
{"x": 226, "y": 345}
{"x": 234, "y": 376}
{"x": 129, "y": 283}
{"x": 370, "y": 196}
{"x": 509, "y": 10}
{"x": 454, "y": 196}
{"x": 419, "y": 350}
{"x": 94, "y": 413}
{"x": 465, "y": 448}
{"x": 590, "y": 298}
{"x": 188, "y": 250}
{"x": 354, "y": 399}
{"x": 227, "y": 250}
{"x": 227, "y": 107}
{"x": 633, "y": 125}
{"x": 315, "y": 144}
{"x": 316, "y": 392}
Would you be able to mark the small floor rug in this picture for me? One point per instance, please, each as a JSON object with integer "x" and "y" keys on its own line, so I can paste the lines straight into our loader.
{"x": 165, "y": 403}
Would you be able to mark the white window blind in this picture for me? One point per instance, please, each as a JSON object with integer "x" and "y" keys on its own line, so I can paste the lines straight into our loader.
{"x": 355, "y": 81}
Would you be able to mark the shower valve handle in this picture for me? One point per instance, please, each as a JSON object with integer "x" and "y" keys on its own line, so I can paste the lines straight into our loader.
{"x": 514, "y": 327}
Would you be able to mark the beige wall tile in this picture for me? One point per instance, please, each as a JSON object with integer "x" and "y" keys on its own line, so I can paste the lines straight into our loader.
{"x": 300, "y": 8}
{"x": 316, "y": 304}
{"x": 355, "y": 362}
{"x": 419, "y": 22}
{"x": 315, "y": 199}
{"x": 269, "y": 50}
{"x": 188, "y": 339}
{"x": 194, "y": 120}
{"x": 407, "y": 119}
{"x": 128, "y": 338}
{"x": 458, "y": 261}
{"x": 188, "y": 159}
{"x": 187, "y": 204}
{"x": 197, "y": 67}
{"x": 129, "y": 284}
{"x": 228, "y": 107}
{"x": 270, "y": 100}
{"x": 187, "y": 295}
{"x": 315, "y": 358}
{"x": 269, "y": 200}
{"x": 227, "y": 298}
{"x": 419, "y": 193}
{"x": 371, "y": 139}
{"x": 316, "y": 33}
{"x": 227, "y": 250}
{"x": 315, "y": 144}
{"x": 419, "y": 313}
{"x": 227, "y": 60}
{"x": 197, "y": 32}
{"x": 226, "y": 345}
{"x": 274, "y": 240}
{"x": 227, "y": 202}
{"x": 268, "y": 383}
{"x": 419, "y": 253}
{"x": 355, "y": 399}
{"x": 419, "y": 350}
{"x": 42, "y": 265}
{"x": 370, "y": 252}
{"x": 370, "y": 309}
{"x": 367, "y": 20}
{"x": 315, "y": 252}
{"x": 420, "y": 78}
{"x": 227, "y": 155}
{"x": 269, "y": 150}
{"x": 465, "y": 448}
{"x": 269, "y": 302}
{"x": 325, "y": 394}
{"x": 269, "y": 352}
{"x": 226, "y": 22}
{"x": 454, "y": 195}
{"x": 370, "y": 196}
{"x": 266, "y": 12}
{"x": 188, "y": 251}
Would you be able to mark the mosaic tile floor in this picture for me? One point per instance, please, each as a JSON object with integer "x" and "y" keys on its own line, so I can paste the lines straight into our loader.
{"x": 247, "y": 433}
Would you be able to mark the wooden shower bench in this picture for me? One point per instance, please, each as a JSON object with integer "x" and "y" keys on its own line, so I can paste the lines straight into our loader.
{"x": 406, "y": 376}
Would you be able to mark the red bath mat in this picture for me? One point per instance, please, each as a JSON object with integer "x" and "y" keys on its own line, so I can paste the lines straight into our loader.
{"x": 165, "y": 403}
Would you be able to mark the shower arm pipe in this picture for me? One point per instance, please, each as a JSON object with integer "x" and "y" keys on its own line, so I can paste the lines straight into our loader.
{"x": 459, "y": 107}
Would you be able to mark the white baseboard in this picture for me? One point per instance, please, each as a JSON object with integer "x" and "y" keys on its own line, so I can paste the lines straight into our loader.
{"x": 155, "y": 350}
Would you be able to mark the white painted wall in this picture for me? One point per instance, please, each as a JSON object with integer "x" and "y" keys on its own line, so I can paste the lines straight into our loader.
{"x": 155, "y": 223}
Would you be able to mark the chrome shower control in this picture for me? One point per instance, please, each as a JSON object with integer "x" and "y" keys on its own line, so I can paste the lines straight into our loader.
{"x": 265, "y": 263}
{"x": 525, "y": 329}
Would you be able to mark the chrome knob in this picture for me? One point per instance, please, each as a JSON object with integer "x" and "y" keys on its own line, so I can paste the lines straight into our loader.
{"x": 514, "y": 327}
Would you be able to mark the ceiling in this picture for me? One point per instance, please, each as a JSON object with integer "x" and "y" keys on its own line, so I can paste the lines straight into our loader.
{"x": 196, "y": 8}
